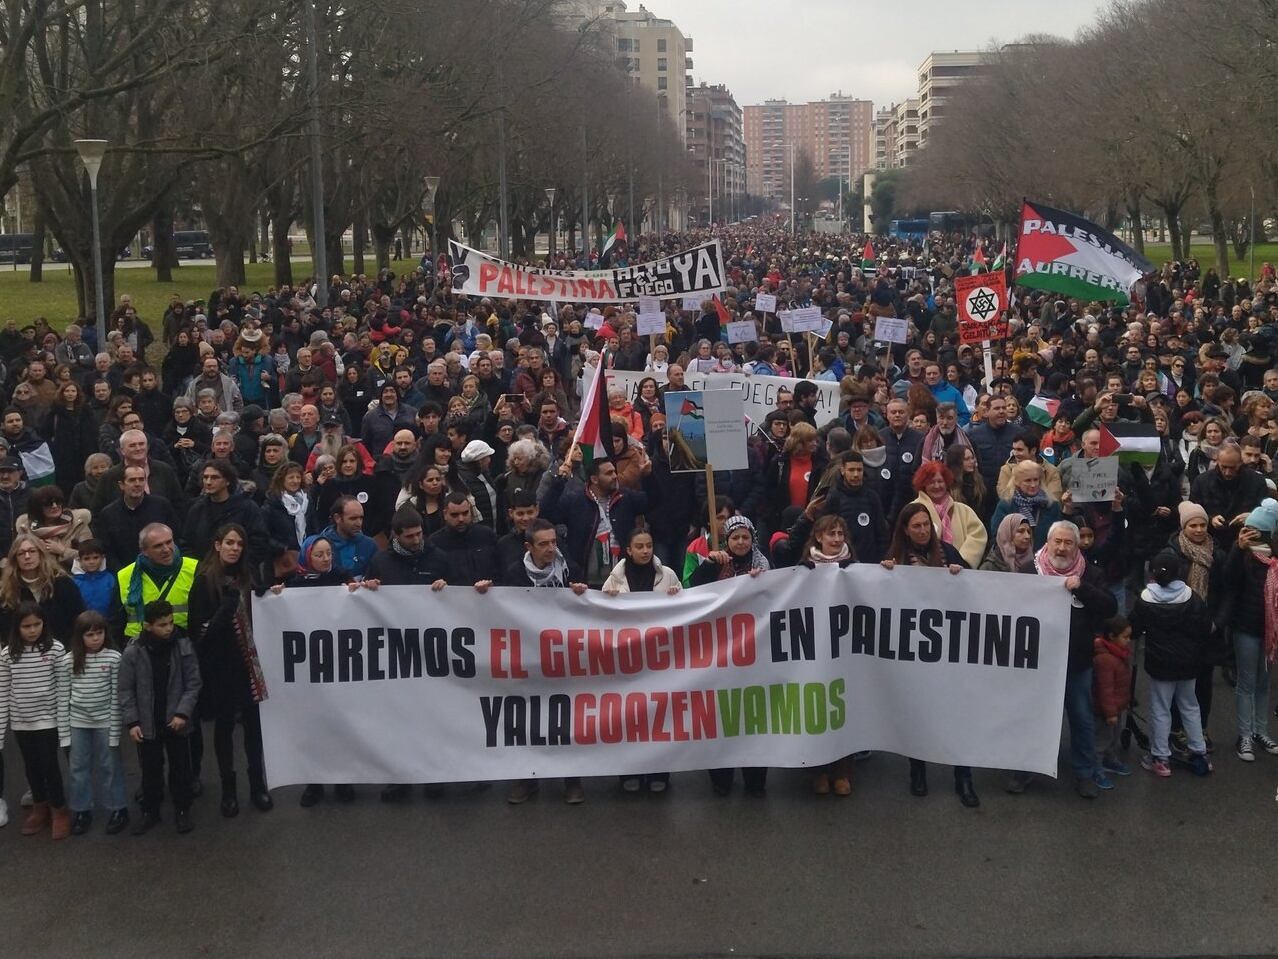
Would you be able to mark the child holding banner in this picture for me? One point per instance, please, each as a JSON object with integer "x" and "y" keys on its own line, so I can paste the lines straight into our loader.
{"x": 641, "y": 572}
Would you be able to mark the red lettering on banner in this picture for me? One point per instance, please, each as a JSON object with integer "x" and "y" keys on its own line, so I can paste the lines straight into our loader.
{"x": 517, "y": 670}
{"x": 680, "y": 650}
{"x": 721, "y": 642}
{"x": 705, "y": 719}
{"x": 629, "y": 651}
{"x": 496, "y": 643}
{"x": 743, "y": 647}
{"x": 636, "y": 718}
{"x": 487, "y": 273}
{"x": 576, "y": 652}
{"x": 610, "y": 718}
{"x": 700, "y": 645}
{"x": 599, "y": 659}
{"x": 547, "y": 286}
{"x": 505, "y": 282}
{"x": 655, "y": 642}
{"x": 659, "y": 734}
{"x": 679, "y": 708}
{"x": 552, "y": 661}
{"x": 583, "y": 722}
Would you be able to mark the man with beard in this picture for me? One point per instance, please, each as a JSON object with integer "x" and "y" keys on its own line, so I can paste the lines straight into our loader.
{"x": 409, "y": 560}
{"x": 332, "y": 438}
{"x": 224, "y": 389}
{"x": 944, "y": 434}
{"x": 1092, "y": 604}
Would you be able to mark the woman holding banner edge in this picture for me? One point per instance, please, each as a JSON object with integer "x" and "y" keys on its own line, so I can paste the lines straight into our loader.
{"x": 915, "y": 542}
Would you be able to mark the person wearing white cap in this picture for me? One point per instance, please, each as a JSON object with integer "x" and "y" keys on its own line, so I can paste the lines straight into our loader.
{"x": 476, "y": 459}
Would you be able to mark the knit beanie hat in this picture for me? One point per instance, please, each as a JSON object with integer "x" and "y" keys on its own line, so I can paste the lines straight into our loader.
{"x": 1264, "y": 517}
{"x": 1190, "y": 511}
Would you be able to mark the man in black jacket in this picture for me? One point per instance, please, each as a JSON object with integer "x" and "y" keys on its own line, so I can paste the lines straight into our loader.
{"x": 409, "y": 560}
{"x": 13, "y": 499}
{"x": 1228, "y": 493}
{"x": 118, "y": 526}
{"x": 902, "y": 444}
{"x": 860, "y": 508}
{"x": 222, "y": 503}
{"x": 580, "y": 510}
{"x": 470, "y": 550}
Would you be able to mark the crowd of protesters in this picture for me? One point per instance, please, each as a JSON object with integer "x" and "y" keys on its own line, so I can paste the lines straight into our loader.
{"x": 384, "y": 431}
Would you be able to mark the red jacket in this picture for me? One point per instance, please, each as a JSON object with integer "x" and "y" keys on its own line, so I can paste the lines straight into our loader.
{"x": 1111, "y": 678}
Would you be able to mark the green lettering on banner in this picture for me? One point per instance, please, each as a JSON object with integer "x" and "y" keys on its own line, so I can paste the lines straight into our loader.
{"x": 838, "y": 708}
{"x": 730, "y": 711}
{"x": 784, "y": 698}
{"x": 756, "y": 710}
{"x": 814, "y": 708}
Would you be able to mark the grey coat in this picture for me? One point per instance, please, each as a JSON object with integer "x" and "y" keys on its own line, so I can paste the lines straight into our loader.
{"x": 137, "y": 695}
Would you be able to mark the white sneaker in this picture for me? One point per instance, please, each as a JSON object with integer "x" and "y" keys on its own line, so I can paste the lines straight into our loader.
{"x": 27, "y": 799}
{"x": 4, "y": 813}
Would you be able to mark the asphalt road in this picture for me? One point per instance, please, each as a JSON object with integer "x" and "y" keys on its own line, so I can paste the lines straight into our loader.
{"x": 1183, "y": 866}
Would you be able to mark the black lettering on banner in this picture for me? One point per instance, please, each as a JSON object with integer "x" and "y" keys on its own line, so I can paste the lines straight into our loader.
{"x": 840, "y": 621}
{"x": 294, "y": 652}
{"x": 904, "y": 652}
{"x": 435, "y": 651}
{"x": 1026, "y": 654}
{"x": 376, "y": 641}
{"x": 350, "y": 655}
{"x": 998, "y": 640}
{"x": 776, "y": 630}
{"x": 321, "y": 656}
{"x": 491, "y": 708}
{"x": 955, "y": 618}
{"x": 930, "y": 627}
{"x": 516, "y": 715}
{"x": 885, "y": 635}
{"x": 862, "y": 631}
{"x": 405, "y": 653}
{"x": 535, "y": 736}
{"x": 559, "y": 728}
{"x": 802, "y": 634}
{"x": 464, "y": 653}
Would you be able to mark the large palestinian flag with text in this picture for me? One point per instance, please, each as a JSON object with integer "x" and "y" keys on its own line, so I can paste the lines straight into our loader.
{"x": 1066, "y": 254}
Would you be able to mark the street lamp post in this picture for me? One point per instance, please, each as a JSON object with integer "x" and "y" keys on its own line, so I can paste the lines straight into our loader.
{"x": 791, "y": 146}
{"x": 91, "y": 153}
{"x": 432, "y": 187}
{"x": 550, "y": 198}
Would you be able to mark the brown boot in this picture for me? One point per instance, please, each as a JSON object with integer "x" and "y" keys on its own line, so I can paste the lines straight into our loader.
{"x": 37, "y": 819}
{"x": 61, "y": 822}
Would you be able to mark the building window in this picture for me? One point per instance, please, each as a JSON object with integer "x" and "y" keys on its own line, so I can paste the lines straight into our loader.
{"x": 636, "y": 45}
{"x": 623, "y": 45}
{"x": 661, "y": 46}
{"x": 661, "y": 64}
{"x": 661, "y": 83}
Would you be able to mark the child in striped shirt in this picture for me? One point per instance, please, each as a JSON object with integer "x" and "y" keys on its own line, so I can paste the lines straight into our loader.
{"x": 35, "y": 681}
{"x": 95, "y": 725}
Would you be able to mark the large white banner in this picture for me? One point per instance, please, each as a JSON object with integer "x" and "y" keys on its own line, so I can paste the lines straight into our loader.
{"x": 759, "y": 393}
{"x": 795, "y": 668}
{"x": 698, "y": 270}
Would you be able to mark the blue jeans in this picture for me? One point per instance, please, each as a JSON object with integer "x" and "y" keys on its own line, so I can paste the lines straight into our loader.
{"x": 89, "y": 752}
{"x": 1162, "y": 693}
{"x": 1252, "y": 690}
{"x": 1082, "y": 723}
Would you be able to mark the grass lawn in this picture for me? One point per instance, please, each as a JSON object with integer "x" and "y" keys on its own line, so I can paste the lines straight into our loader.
{"x": 54, "y": 298}
{"x": 1159, "y": 253}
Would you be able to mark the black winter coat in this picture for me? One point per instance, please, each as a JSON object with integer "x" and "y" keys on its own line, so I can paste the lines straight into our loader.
{"x": 391, "y": 569}
{"x": 222, "y": 669}
{"x": 118, "y": 527}
{"x": 205, "y": 518}
{"x": 1243, "y": 607}
{"x": 1177, "y": 634}
{"x": 578, "y": 512}
{"x": 469, "y": 557}
{"x": 72, "y": 438}
{"x": 1093, "y": 604}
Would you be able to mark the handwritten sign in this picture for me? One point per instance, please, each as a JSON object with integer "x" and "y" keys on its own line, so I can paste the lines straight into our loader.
{"x": 692, "y": 304}
{"x": 743, "y": 331}
{"x": 890, "y": 329}
{"x": 649, "y": 304}
{"x": 765, "y": 302}
{"x": 1094, "y": 480}
{"x": 651, "y": 324}
{"x": 808, "y": 319}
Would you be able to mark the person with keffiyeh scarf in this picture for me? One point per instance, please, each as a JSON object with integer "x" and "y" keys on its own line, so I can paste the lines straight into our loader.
{"x": 1092, "y": 605}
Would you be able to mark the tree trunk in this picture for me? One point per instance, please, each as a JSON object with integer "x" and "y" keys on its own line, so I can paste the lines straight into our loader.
{"x": 37, "y": 247}
{"x": 382, "y": 238}
{"x": 86, "y": 292}
{"x": 359, "y": 237}
{"x": 228, "y": 255}
{"x": 1218, "y": 238}
{"x": 1173, "y": 231}
{"x": 263, "y": 231}
{"x": 280, "y": 251}
{"x": 1138, "y": 228}
{"x": 164, "y": 246}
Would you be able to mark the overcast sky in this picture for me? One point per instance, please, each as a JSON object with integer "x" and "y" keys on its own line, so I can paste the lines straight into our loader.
{"x": 808, "y": 49}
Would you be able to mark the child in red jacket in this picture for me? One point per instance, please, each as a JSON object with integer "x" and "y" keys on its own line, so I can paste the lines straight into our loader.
{"x": 1112, "y": 693}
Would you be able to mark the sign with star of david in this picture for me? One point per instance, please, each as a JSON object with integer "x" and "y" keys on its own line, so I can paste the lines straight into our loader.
{"x": 982, "y": 306}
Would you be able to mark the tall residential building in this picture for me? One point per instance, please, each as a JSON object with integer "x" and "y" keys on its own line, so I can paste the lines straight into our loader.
{"x": 939, "y": 74}
{"x": 837, "y": 133}
{"x": 896, "y": 135}
{"x": 651, "y": 49}
{"x": 714, "y": 138}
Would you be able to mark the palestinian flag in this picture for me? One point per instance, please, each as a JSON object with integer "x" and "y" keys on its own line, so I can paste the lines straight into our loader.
{"x": 1133, "y": 442}
{"x": 1000, "y": 261}
{"x": 1042, "y": 410}
{"x": 977, "y": 264}
{"x": 724, "y": 316}
{"x": 1066, "y": 254}
{"x": 867, "y": 256}
{"x": 37, "y": 463}
{"x": 614, "y": 245}
{"x": 690, "y": 409}
{"x": 594, "y": 429}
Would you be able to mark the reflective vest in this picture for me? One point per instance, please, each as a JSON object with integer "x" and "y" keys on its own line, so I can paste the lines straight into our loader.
{"x": 177, "y": 592}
